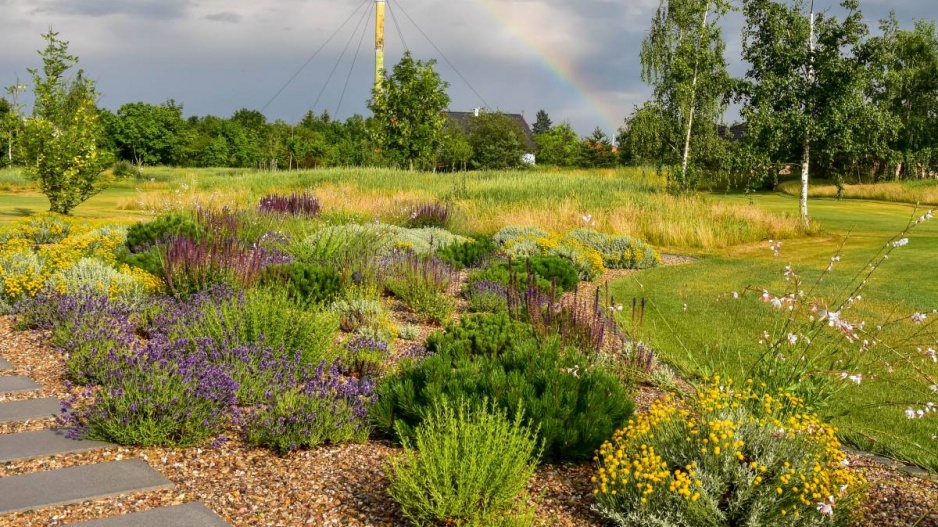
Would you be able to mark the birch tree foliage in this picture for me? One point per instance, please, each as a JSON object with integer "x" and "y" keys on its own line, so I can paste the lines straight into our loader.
{"x": 803, "y": 95}
{"x": 683, "y": 58}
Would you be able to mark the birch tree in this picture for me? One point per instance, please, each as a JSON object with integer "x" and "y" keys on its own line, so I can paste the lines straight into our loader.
{"x": 682, "y": 57}
{"x": 806, "y": 80}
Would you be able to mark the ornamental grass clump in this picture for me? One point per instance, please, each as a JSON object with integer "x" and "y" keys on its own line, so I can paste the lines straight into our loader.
{"x": 466, "y": 466}
{"x": 728, "y": 456}
{"x": 264, "y": 317}
{"x": 327, "y": 407}
{"x": 300, "y": 204}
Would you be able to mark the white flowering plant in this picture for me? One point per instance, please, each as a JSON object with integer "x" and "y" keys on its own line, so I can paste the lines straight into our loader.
{"x": 821, "y": 345}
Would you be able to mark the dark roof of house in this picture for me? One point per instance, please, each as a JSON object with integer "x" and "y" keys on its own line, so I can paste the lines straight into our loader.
{"x": 463, "y": 119}
{"x": 734, "y": 132}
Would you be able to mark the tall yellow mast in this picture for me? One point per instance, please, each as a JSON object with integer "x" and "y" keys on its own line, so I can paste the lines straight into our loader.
{"x": 379, "y": 42}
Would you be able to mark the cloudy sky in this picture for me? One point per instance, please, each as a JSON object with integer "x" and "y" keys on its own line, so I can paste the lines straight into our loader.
{"x": 576, "y": 59}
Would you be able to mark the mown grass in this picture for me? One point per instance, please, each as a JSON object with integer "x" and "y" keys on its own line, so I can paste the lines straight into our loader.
{"x": 693, "y": 321}
{"x": 922, "y": 191}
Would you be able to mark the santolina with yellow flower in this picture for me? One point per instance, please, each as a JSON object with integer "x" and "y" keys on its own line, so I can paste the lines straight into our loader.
{"x": 727, "y": 456}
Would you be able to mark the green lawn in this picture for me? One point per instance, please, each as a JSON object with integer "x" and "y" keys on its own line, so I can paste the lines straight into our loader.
{"x": 716, "y": 333}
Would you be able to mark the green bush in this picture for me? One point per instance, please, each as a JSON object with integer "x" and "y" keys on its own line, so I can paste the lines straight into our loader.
{"x": 143, "y": 235}
{"x": 547, "y": 268}
{"x": 500, "y": 274}
{"x": 421, "y": 282}
{"x": 479, "y": 334}
{"x": 268, "y": 317}
{"x": 150, "y": 260}
{"x": 575, "y": 406}
{"x": 465, "y": 467}
{"x": 727, "y": 456}
{"x": 470, "y": 253}
{"x": 306, "y": 282}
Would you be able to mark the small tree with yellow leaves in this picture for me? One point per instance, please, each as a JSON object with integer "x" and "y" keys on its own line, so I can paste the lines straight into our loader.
{"x": 61, "y": 137}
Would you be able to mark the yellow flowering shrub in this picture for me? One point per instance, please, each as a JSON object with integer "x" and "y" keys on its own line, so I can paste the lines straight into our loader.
{"x": 728, "y": 456}
{"x": 51, "y": 250}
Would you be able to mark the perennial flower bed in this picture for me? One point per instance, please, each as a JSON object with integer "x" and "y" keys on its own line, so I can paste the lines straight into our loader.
{"x": 200, "y": 328}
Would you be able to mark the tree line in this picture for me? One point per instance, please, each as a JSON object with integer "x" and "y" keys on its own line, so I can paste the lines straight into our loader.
{"x": 822, "y": 94}
{"x": 408, "y": 129}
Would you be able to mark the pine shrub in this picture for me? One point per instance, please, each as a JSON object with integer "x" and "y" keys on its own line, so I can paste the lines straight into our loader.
{"x": 575, "y": 406}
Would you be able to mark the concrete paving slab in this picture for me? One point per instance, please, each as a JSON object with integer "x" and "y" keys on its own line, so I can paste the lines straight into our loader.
{"x": 76, "y": 484}
{"x": 4, "y": 365}
{"x": 28, "y": 445}
{"x": 192, "y": 514}
{"x": 29, "y": 409}
{"x": 17, "y": 384}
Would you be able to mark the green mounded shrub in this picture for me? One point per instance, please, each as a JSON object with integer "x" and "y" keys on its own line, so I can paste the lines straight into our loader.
{"x": 574, "y": 406}
{"x": 269, "y": 317}
{"x": 465, "y": 467}
{"x": 479, "y": 334}
{"x": 727, "y": 456}
{"x": 421, "y": 282}
{"x": 470, "y": 253}
{"x": 500, "y": 274}
{"x": 618, "y": 252}
{"x": 306, "y": 282}
{"x": 143, "y": 235}
{"x": 547, "y": 268}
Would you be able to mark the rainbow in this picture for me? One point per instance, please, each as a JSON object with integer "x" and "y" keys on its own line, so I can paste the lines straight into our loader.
{"x": 564, "y": 71}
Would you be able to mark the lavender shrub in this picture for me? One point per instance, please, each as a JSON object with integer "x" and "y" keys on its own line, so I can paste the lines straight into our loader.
{"x": 329, "y": 407}
{"x": 166, "y": 395}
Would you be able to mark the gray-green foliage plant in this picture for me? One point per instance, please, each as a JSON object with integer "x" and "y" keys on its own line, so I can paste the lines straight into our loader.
{"x": 62, "y": 137}
{"x": 465, "y": 467}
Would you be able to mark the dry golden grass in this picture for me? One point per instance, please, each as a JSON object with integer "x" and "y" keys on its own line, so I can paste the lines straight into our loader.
{"x": 924, "y": 192}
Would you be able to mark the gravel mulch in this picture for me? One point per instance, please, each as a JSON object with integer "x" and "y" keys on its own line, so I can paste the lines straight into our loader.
{"x": 339, "y": 485}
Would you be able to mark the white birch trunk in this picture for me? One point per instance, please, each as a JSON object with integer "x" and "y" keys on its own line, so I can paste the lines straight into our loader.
{"x": 806, "y": 152}
{"x": 693, "y": 100}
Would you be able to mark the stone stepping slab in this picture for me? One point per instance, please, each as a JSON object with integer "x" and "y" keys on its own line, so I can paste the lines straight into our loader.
{"x": 17, "y": 384}
{"x": 76, "y": 484}
{"x": 29, "y": 409}
{"x": 192, "y": 514}
{"x": 28, "y": 445}
{"x": 4, "y": 365}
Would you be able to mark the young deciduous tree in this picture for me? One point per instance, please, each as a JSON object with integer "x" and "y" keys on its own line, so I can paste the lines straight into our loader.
{"x": 62, "y": 135}
{"x": 682, "y": 57}
{"x": 408, "y": 109}
{"x": 559, "y": 146}
{"x": 497, "y": 141}
{"x": 806, "y": 80}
